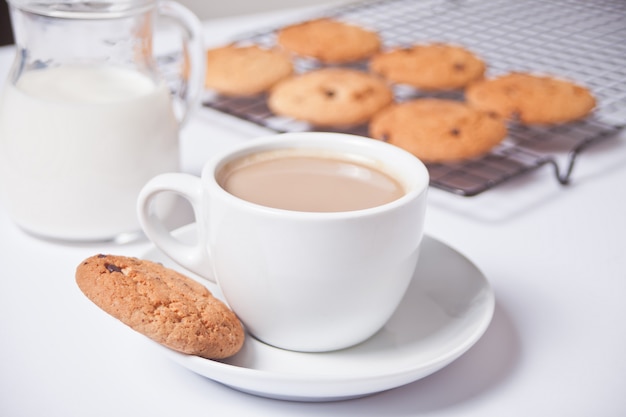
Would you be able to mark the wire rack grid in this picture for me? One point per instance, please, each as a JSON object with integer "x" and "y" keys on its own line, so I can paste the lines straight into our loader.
{"x": 575, "y": 39}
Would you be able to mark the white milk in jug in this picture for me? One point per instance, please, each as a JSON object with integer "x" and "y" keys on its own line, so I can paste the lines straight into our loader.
{"x": 76, "y": 146}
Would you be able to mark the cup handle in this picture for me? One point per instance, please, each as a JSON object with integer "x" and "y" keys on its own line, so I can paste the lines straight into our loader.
{"x": 194, "y": 62}
{"x": 193, "y": 257}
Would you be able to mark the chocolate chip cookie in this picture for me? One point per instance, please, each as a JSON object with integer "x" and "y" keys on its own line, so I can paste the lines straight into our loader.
{"x": 438, "y": 130}
{"x": 162, "y": 304}
{"x": 531, "y": 99}
{"x": 329, "y": 40}
{"x": 330, "y": 97}
{"x": 245, "y": 70}
{"x": 433, "y": 66}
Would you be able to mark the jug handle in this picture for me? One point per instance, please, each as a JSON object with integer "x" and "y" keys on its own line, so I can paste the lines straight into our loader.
{"x": 193, "y": 54}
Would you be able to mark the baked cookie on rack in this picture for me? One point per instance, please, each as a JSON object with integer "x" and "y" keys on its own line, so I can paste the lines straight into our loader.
{"x": 437, "y": 130}
{"x": 531, "y": 99}
{"x": 329, "y": 41}
{"x": 330, "y": 97}
{"x": 434, "y": 66}
{"x": 160, "y": 303}
{"x": 245, "y": 70}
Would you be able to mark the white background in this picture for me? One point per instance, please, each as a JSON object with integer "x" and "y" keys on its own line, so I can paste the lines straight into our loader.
{"x": 556, "y": 257}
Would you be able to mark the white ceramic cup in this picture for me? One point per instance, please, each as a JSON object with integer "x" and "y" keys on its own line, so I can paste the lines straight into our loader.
{"x": 304, "y": 281}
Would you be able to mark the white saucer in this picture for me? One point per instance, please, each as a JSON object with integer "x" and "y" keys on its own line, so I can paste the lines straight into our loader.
{"x": 446, "y": 310}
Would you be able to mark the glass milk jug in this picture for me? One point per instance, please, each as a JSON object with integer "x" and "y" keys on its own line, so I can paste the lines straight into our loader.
{"x": 85, "y": 117}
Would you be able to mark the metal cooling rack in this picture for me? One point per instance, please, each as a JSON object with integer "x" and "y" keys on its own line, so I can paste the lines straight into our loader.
{"x": 577, "y": 39}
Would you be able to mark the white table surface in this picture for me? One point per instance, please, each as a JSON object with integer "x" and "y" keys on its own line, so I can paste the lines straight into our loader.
{"x": 556, "y": 257}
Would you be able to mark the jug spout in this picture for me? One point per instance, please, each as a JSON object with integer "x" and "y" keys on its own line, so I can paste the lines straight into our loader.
{"x": 51, "y": 33}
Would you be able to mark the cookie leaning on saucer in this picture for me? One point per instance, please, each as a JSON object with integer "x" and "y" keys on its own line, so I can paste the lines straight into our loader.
{"x": 438, "y": 130}
{"x": 531, "y": 99}
{"x": 433, "y": 66}
{"x": 245, "y": 70}
{"x": 162, "y": 304}
{"x": 329, "y": 41}
{"x": 330, "y": 97}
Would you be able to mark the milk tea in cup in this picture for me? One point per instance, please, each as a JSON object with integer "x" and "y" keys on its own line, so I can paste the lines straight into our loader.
{"x": 311, "y": 181}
